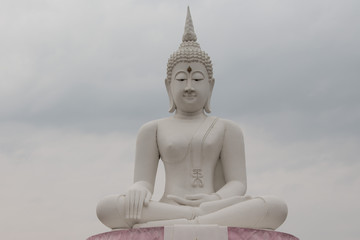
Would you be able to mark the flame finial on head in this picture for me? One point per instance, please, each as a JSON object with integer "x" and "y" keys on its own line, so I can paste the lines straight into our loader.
{"x": 189, "y": 32}
{"x": 189, "y": 50}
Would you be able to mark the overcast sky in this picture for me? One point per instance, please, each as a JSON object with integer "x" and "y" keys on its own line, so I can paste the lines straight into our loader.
{"x": 78, "y": 78}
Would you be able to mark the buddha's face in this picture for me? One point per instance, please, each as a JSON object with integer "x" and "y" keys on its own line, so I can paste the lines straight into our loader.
{"x": 190, "y": 87}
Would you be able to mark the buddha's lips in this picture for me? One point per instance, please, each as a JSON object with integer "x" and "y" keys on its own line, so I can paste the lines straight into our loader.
{"x": 191, "y": 95}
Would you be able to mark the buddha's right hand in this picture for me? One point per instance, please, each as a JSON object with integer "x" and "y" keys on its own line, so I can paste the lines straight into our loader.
{"x": 137, "y": 197}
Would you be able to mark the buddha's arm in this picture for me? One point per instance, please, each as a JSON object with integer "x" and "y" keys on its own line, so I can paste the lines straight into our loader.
{"x": 146, "y": 163}
{"x": 233, "y": 162}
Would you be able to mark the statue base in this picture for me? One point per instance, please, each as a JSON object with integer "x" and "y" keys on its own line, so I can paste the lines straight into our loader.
{"x": 193, "y": 232}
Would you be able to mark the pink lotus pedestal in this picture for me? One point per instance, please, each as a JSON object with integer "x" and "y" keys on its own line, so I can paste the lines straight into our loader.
{"x": 183, "y": 232}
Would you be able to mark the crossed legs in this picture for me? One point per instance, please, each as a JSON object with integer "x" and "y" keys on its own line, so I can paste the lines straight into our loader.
{"x": 258, "y": 212}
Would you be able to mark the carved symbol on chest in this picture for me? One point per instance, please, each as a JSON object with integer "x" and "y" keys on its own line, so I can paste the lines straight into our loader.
{"x": 197, "y": 175}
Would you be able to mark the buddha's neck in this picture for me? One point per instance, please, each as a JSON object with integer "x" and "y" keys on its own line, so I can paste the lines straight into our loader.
{"x": 190, "y": 115}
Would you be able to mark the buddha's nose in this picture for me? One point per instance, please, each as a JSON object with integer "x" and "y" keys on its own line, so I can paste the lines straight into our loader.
{"x": 189, "y": 87}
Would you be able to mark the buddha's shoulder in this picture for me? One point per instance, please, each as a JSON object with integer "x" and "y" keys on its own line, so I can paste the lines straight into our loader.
{"x": 229, "y": 125}
{"x": 152, "y": 125}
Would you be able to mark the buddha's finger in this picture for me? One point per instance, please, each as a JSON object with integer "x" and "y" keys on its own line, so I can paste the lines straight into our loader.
{"x": 193, "y": 203}
{"x": 176, "y": 198}
{"x": 127, "y": 205}
{"x": 197, "y": 196}
{"x": 182, "y": 201}
{"x": 136, "y": 204}
{"x": 140, "y": 204}
{"x": 147, "y": 198}
{"x": 131, "y": 204}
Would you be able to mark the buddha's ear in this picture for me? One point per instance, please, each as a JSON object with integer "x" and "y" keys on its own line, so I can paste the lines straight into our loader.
{"x": 171, "y": 99}
{"x": 212, "y": 83}
{"x": 207, "y": 104}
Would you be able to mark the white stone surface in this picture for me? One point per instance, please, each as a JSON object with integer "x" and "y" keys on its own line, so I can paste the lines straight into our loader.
{"x": 202, "y": 232}
{"x": 203, "y": 156}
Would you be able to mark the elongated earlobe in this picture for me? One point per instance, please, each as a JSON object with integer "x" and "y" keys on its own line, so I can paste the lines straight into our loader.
{"x": 171, "y": 99}
{"x": 172, "y": 106}
{"x": 207, "y": 104}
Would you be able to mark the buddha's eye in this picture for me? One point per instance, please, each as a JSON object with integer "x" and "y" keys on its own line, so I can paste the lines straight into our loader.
{"x": 197, "y": 77}
{"x": 180, "y": 77}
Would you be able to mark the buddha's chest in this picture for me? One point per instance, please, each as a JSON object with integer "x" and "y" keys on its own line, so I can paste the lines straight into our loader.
{"x": 197, "y": 141}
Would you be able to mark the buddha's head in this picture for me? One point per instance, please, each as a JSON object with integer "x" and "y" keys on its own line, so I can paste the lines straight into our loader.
{"x": 189, "y": 79}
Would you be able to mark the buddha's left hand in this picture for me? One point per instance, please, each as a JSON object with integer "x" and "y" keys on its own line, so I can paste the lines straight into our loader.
{"x": 194, "y": 199}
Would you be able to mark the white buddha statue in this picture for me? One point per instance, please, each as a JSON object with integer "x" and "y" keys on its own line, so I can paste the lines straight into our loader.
{"x": 203, "y": 157}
